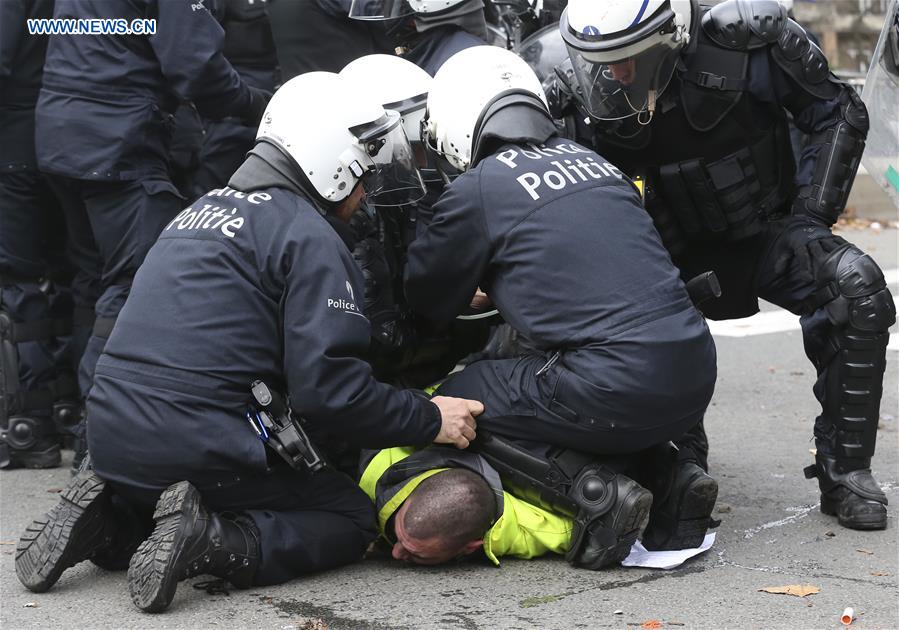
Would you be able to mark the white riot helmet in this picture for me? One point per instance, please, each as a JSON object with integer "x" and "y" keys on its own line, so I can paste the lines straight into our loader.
{"x": 624, "y": 52}
{"x": 396, "y": 83}
{"x": 469, "y": 90}
{"x": 337, "y": 137}
{"x": 389, "y": 9}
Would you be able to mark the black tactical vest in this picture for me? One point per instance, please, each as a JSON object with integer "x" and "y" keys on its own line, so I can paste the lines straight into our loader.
{"x": 716, "y": 160}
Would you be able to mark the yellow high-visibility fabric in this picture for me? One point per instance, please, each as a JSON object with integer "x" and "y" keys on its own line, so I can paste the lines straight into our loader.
{"x": 523, "y": 530}
{"x": 526, "y": 531}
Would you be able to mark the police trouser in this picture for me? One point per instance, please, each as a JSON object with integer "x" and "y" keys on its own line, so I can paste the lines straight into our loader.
{"x": 524, "y": 402}
{"x": 225, "y": 146}
{"x": 845, "y": 310}
{"x": 307, "y": 523}
{"x": 111, "y": 227}
{"x": 38, "y": 345}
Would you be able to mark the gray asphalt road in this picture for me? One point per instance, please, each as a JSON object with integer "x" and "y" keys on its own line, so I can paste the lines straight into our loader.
{"x": 772, "y": 534}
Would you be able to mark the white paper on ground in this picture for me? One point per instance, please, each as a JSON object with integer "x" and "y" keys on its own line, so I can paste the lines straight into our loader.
{"x": 640, "y": 557}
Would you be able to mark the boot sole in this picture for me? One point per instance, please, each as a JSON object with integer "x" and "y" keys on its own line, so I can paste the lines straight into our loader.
{"x": 695, "y": 508}
{"x": 151, "y": 578}
{"x": 635, "y": 515}
{"x": 629, "y": 523}
{"x": 71, "y": 532}
{"x": 860, "y": 522}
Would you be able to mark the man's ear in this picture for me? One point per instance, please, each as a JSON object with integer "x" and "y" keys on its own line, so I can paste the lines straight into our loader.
{"x": 471, "y": 547}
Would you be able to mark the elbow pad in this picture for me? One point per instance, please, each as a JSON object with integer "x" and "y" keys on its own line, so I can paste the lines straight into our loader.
{"x": 840, "y": 152}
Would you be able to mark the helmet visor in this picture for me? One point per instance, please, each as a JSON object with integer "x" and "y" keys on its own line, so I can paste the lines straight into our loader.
{"x": 379, "y": 9}
{"x": 390, "y": 176}
{"x": 623, "y": 88}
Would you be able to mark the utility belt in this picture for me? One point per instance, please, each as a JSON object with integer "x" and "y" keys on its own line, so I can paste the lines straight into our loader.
{"x": 275, "y": 424}
{"x": 724, "y": 200}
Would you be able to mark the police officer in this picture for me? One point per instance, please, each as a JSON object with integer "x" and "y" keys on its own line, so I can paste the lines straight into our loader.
{"x": 250, "y": 50}
{"x": 405, "y": 348}
{"x": 554, "y": 235}
{"x": 102, "y": 132}
{"x": 36, "y": 346}
{"x": 252, "y": 281}
{"x": 695, "y": 98}
{"x": 427, "y": 32}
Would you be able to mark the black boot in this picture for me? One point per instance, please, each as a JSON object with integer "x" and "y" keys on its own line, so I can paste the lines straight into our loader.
{"x": 131, "y": 529}
{"x": 79, "y": 526}
{"x": 190, "y": 541}
{"x": 609, "y": 509}
{"x": 623, "y": 506}
{"x": 683, "y": 499}
{"x": 853, "y": 496}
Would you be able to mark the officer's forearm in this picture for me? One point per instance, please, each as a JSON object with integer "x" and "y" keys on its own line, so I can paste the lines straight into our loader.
{"x": 839, "y": 150}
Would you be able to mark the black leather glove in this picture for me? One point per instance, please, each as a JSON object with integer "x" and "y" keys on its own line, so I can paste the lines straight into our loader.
{"x": 256, "y": 106}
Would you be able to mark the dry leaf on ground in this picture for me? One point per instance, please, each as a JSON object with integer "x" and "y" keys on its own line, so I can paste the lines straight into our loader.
{"x": 651, "y": 624}
{"x": 865, "y": 551}
{"x": 797, "y": 590}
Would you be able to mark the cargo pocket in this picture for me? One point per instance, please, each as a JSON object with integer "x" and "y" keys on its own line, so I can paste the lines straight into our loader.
{"x": 736, "y": 184}
{"x": 560, "y": 395}
{"x": 521, "y": 384}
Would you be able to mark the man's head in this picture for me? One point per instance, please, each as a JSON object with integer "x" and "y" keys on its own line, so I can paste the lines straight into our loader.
{"x": 482, "y": 97}
{"x": 398, "y": 84}
{"x": 624, "y": 53}
{"x": 333, "y": 139}
{"x": 445, "y": 517}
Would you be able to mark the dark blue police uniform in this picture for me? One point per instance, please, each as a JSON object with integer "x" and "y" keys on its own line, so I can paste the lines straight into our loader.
{"x": 250, "y": 50}
{"x": 245, "y": 286}
{"x": 318, "y": 35}
{"x": 433, "y": 47}
{"x": 557, "y": 238}
{"x": 103, "y": 122}
{"x": 37, "y": 349}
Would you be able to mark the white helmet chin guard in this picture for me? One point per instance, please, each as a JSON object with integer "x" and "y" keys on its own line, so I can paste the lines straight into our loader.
{"x": 337, "y": 138}
{"x": 624, "y": 52}
{"x": 396, "y": 83}
{"x": 390, "y": 9}
{"x": 464, "y": 89}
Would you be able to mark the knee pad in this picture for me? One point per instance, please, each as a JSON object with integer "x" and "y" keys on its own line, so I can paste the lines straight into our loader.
{"x": 859, "y": 296}
{"x": 22, "y": 433}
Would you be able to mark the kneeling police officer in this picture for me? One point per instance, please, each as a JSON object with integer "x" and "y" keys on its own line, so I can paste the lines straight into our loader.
{"x": 253, "y": 281}
{"x": 557, "y": 238}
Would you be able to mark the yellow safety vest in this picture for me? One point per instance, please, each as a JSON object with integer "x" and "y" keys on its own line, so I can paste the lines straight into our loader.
{"x": 522, "y": 530}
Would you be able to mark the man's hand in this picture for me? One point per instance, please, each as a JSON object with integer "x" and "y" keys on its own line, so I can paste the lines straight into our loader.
{"x": 480, "y": 301}
{"x": 457, "y": 420}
